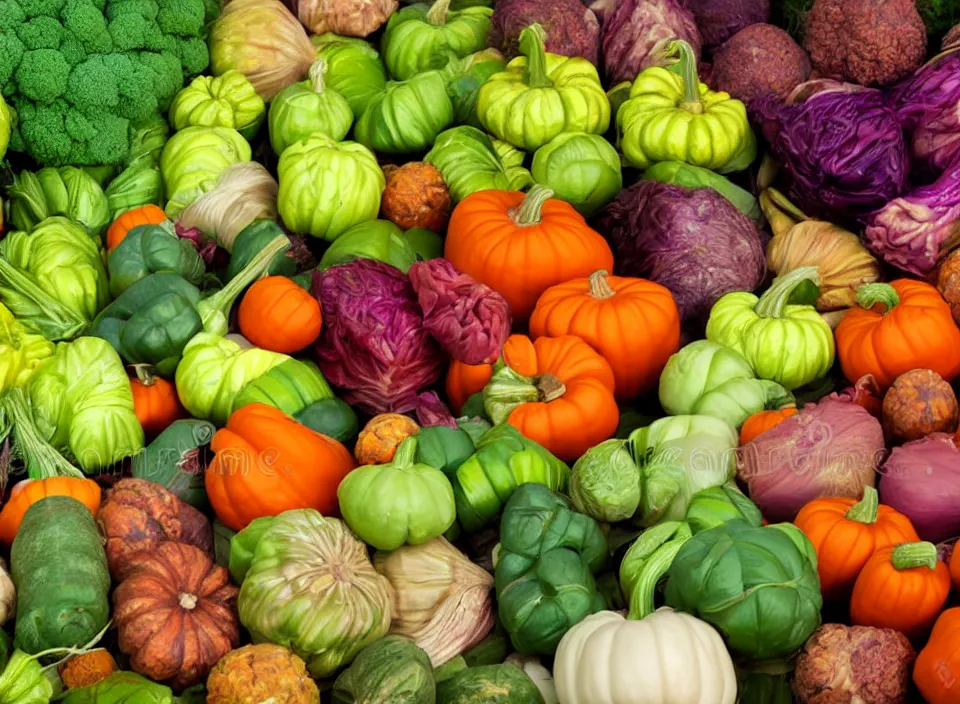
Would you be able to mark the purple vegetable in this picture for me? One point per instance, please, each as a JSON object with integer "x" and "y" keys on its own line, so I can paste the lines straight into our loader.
{"x": 718, "y": 20}
{"x": 913, "y": 231}
{"x": 572, "y": 29}
{"x": 432, "y": 411}
{"x": 374, "y": 343}
{"x": 830, "y": 448}
{"x": 470, "y": 320}
{"x": 206, "y": 247}
{"x": 922, "y": 481}
{"x": 638, "y": 32}
{"x": 693, "y": 241}
{"x": 842, "y": 146}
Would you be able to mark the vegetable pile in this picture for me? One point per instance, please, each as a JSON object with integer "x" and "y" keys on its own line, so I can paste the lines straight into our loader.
{"x": 479, "y": 351}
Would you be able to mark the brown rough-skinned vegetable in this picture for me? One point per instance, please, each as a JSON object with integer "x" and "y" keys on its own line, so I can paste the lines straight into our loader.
{"x": 257, "y": 673}
{"x": 854, "y": 664}
{"x": 757, "y": 60}
{"x": 139, "y": 514}
{"x": 920, "y": 402}
{"x": 948, "y": 281}
{"x": 416, "y": 196}
{"x": 572, "y": 29}
{"x": 381, "y": 436}
{"x": 87, "y": 668}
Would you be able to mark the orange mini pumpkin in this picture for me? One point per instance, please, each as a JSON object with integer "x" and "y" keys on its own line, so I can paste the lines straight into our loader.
{"x": 897, "y": 327}
{"x": 633, "y": 323}
{"x": 155, "y": 401}
{"x": 761, "y": 422}
{"x": 148, "y": 214}
{"x": 465, "y": 380}
{"x": 381, "y": 436}
{"x": 902, "y": 587}
{"x": 937, "y": 671}
{"x": 29, "y": 491}
{"x": 845, "y": 533}
{"x": 278, "y": 315}
{"x": 267, "y": 463}
{"x": 522, "y": 244}
{"x": 561, "y": 396}
{"x": 954, "y": 567}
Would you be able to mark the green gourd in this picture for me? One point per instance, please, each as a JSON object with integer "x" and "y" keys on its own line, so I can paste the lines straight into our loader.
{"x": 489, "y": 684}
{"x": 307, "y": 107}
{"x": 331, "y": 417}
{"x": 393, "y": 669}
{"x": 177, "y": 459}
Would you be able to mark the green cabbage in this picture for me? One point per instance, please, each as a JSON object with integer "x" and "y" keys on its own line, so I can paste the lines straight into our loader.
{"x": 193, "y": 159}
{"x": 66, "y": 191}
{"x": 20, "y": 351}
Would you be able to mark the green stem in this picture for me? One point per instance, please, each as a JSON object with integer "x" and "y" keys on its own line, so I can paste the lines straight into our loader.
{"x": 406, "y": 453}
{"x": 910, "y": 555}
{"x": 688, "y": 72}
{"x": 437, "y": 14}
{"x": 782, "y": 215}
{"x": 46, "y": 314}
{"x": 315, "y": 75}
{"x": 869, "y": 295}
{"x": 40, "y": 457}
{"x": 774, "y": 299}
{"x": 144, "y": 374}
{"x": 531, "y": 210}
{"x": 866, "y": 509}
{"x": 641, "y": 598}
{"x": 531, "y": 46}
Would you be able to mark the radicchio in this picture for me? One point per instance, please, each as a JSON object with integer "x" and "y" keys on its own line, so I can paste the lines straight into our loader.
{"x": 374, "y": 343}
{"x": 636, "y": 36}
{"x": 432, "y": 411}
{"x": 470, "y": 320}
{"x": 913, "y": 231}
{"x": 842, "y": 146}
{"x": 571, "y": 28}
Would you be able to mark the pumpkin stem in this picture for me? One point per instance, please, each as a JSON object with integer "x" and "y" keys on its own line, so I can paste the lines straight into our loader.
{"x": 531, "y": 209}
{"x": 641, "y": 598}
{"x": 437, "y": 14}
{"x": 531, "y": 45}
{"x": 599, "y": 288}
{"x": 774, "y": 299}
{"x": 406, "y": 453}
{"x": 687, "y": 68}
{"x": 144, "y": 374}
{"x": 870, "y": 295}
{"x": 40, "y": 458}
{"x": 782, "y": 215}
{"x": 550, "y": 388}
{"x": 315, "y": 75}
{"x": 910, "y": 555}
{"x": 866, "y": 509}
{"x": 188, "y": 601}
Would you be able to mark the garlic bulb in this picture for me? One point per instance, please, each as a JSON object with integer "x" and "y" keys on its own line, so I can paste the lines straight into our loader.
{"x": 8, "y": 594}
{"x": 441, "y": 601}
{"x": 841, "y": 259}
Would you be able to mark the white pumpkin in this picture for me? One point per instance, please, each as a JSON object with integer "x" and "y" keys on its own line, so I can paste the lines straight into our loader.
{"x": 668, "y": 657}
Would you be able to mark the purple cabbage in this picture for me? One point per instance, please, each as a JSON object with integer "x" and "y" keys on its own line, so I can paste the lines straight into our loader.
{"x": 470, "y": 320}
{"x": 636, "y": 35}
{"x": 432, "y": 411}
{"x": 691, "y": 240}
{"x": 374, "y": 344}
{"x": 913, "y": 231}
{"x": 842, "y": 146}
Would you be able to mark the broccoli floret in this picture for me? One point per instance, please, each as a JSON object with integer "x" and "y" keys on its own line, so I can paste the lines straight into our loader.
{"x": 11, "y": 16}
{"x": 72, "y": 50}
{"x": 88, "y": 25}
{"x": 182, "y": 18}
{"x": 11, "y": 54}
{"x": 42, "y": 33}
{"x": 93, "y": 86}
{"x": 194, "y": 56}
{"x": 134, "y": 31}
{"x": 144, "y": 8}
{"x": 41, "y": 8}
{"x": 42, "y": 75}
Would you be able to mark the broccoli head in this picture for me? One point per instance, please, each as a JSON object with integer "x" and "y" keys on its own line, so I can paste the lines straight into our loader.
{"x": 77, "y": 73}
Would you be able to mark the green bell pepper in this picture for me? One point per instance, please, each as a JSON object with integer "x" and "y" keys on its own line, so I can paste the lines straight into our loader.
{"x": 542, "y": 95}
{"x": 374, "y": 239}
{"x": 444, "y": 448}
{"x": 582, "y": 169}
{"x": 464, "y": 78}
{"x": 469, "y": 161}
{"x": 422, "y": 37}
{"x": 757, "y": 586}
{"x": 354, "y": 69}
{"x": 333, "y": 418}
{"x": 228, "y": 100}
{"x": 786, "y": 343}
{"x": 250, "y": 241}
{"x": 544, "y": 569}
{"x": 672, "y": 116}
{"x": 177, "y": 459}
{"x": 504, "y": 460}
{"x": 153, "y": 320}
{"x": 301, "y": 109}
{"x": 425, "y": 244}
{"x": 150, "y": 249}
{"x": 406, "y": 116}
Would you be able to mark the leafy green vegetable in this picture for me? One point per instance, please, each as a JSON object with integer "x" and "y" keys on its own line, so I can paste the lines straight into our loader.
{"x": 67, "y": 191}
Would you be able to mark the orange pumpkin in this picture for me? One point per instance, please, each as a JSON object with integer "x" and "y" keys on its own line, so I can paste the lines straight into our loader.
{"x": 29, "y": 491}
{"x": 381, "y": 436}
{"x": 267, "y": 463}
{"x": 562, "y": 396}
{"x": 521, "y": 245}
{"x": 144, "y": 215}
{"x": 761, "y": 422}
{"x": 954, "y": 567}
{"x": 633, "y": 323}
{"x": 897, "y": 327}
{"x": 902, "y": 587}
{"x": 845, "y": 533}
{"x": 465, "y": 380}
{"x": 937, "y": 670}
{"x": 155, "y": 401}
{"x": 277, "y": 315}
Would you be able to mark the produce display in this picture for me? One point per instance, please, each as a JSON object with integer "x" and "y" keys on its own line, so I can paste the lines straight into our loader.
{"x": 479, "y": 351}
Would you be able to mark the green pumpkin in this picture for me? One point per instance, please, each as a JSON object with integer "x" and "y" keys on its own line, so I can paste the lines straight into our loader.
{"x": 299, "y": 110}
{"x": 228, "y": 100}
{"x": 250, "y": 241}
{"x": 119, "y": 688}
{"x": 719, "y": 504}
{"x": 489, "y": 684}
{"x": 464, "y": 78}
{"x": 697, "y": 369}
{"x": 331, "y": 417}
{"x": 582, "y": 169}
{"x": 786, "y": 343}
{"x": 290, "y": 386}
{"x": 736, "y": 400}
{"x": 426, "y": 244}
{"x": 403, "y": 502}
{"x": 406, "y": 116}
{"x": 354, "y": 69}
{"x": 444, "y": 448}
{"x": 393, "y": 669}
{"x": 421, "y": 37}
{"x": 177, "y": 459}
{"x": 374, "y": 239}
{"x": 470, "y": 161}
{"x": 541, "y": 95}
{"x": 148, "y": 249}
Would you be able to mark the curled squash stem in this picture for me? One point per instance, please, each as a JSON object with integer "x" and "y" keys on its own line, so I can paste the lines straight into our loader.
{"x": 870, "y": 295}
{"x": 688, "y": 73}
{"x": 866, "y": 509}
{"x": 599, "y": 288}
{"x": 775, "y": 298}
{"x": 910, "y": 555}
{"x": 316, "y": 74}
{"x": 531, "y": 45}
{"x": 531, "y": 209}
{"x": 549, "y": 388}
{"x": 437, "y": 14}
